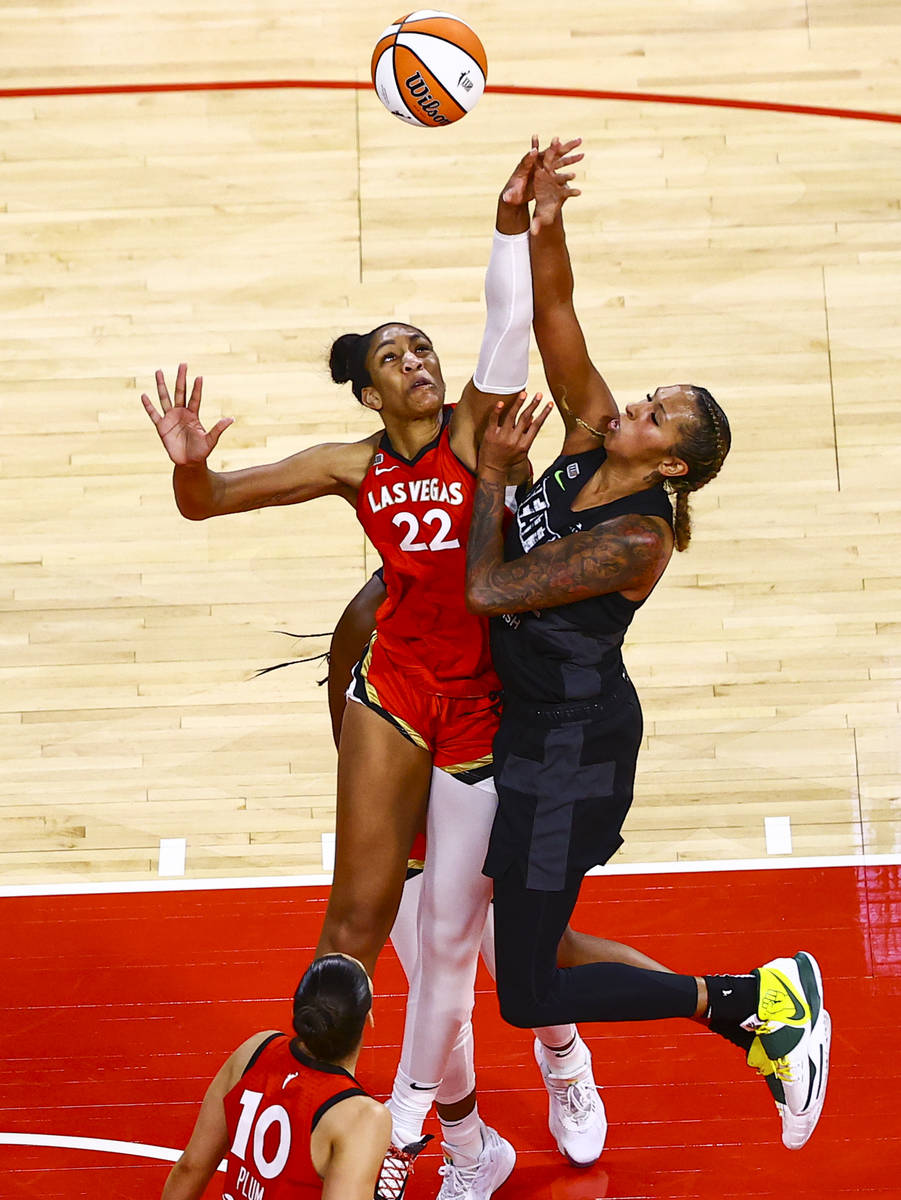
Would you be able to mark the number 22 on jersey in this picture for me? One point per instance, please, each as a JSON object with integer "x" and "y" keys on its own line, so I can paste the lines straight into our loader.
{"x": 438, "y": 525}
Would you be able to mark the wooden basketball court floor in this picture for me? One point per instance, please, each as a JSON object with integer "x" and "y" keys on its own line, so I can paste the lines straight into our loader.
{"x": 739, "y": 226}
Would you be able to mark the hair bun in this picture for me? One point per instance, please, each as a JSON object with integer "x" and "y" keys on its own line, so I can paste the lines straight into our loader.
{"x": 342, "y": 356}
{"x": 311, "y": 1021}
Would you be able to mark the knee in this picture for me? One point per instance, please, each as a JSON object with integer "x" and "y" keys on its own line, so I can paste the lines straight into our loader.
{"x": 357, "y": 930}
{"x": 516, "y": 1008}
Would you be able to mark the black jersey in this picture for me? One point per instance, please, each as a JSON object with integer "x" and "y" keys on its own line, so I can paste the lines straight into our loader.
{"x": 571, "y": 652}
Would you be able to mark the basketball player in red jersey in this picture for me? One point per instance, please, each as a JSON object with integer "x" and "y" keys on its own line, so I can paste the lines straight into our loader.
{"x": 425, "y": 690}
{"x": 288, "y": 1112}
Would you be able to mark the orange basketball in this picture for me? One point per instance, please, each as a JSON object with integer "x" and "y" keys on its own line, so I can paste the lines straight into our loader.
{"x": 429, "y": 68}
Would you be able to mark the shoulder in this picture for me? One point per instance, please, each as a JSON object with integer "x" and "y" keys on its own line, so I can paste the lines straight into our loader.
{"x": 354, "y": 1114}
{"x": 348, "y": 462}
{"x": 245, "y": 1052}
{"x": 236, "y": 1063}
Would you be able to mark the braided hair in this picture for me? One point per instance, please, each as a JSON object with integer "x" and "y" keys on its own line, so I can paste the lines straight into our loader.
{"x": 347, "y": 358}
{"x": 331, "y": 1005}
{"x": 703, "y": 445}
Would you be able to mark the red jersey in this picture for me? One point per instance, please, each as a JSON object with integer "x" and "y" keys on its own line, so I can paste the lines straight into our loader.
{"x": 270, "y": 1113}
{"x": 417, "y": 513}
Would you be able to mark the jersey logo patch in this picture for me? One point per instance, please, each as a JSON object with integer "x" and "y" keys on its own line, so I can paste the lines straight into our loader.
{"x": 288, "y": 1079}
{"x": 572, "y": 470}
{"x": 384, "y": 470}
{"x": 531, "y": 519}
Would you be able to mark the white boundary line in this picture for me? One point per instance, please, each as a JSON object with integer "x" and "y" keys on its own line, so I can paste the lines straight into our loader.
{"x": 103, "y": 1145}
{"x": 294, "y": 881}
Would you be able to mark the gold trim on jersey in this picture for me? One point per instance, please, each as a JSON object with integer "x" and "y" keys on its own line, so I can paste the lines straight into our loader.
{"x": 370, "y": 698}
{"x": 472, "y": 772}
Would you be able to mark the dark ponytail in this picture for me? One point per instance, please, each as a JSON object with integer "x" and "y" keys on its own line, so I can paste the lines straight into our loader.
{"x": 347, "y": 360}
{"x": 703, "y": 445}
{"x": 331, "y": 1004}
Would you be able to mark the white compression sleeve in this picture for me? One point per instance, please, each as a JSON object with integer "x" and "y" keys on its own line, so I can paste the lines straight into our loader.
{"x": 452, "y": 911}
{"x": 459, "y": 1074}
{"x": 503, "y": 365}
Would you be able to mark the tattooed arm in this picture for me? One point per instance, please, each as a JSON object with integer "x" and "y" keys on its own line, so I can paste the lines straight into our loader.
{"x": 627, "y": 554}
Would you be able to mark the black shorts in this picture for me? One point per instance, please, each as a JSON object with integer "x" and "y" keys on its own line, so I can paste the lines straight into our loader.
{"x": 564, "y": 776}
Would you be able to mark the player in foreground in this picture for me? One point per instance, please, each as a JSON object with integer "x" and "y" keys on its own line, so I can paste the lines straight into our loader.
{"x": 589, "y": 542}
{"x": 286, "y": 1112}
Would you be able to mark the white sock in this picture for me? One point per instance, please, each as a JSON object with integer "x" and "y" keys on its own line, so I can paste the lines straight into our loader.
{"x": 463, "y": 1139}
{"x": 409, "y": 1106}
{"x": 568, "y": 1059}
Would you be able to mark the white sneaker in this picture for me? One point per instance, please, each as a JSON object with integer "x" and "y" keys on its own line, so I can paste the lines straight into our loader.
{"x": 797, "y": 1127}
{"x": 789, "y": 1024}
{"x": 465, "y": 1180}
{"x": 576, "y": 1116}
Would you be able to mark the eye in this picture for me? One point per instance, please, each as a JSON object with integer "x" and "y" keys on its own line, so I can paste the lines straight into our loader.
{"x": 423, "y": 349}
{"x": 387, "y": 357}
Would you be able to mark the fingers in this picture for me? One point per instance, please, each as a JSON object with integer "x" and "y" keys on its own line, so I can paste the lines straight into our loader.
{"x": 515, "y": 191}
{"x": 162, "y": 391}
{"x": 194, "y": 402}
{"x": 218, "y": 429}
{"x": 568, "y": 147}
{"x": 181, "y": 376}
{"x": 521, "y": 412}
{"x": 560, "y": 154}
{"x": 150, "y": 409}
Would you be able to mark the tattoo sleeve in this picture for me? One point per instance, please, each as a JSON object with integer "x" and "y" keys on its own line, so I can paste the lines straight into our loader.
{"x": 627, "y": 552}
{"x": 485, "y": 548}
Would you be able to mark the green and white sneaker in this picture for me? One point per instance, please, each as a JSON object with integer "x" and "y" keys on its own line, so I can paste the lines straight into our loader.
{"x": 796, "y": 1129}
{"x": 791, "y": 1048}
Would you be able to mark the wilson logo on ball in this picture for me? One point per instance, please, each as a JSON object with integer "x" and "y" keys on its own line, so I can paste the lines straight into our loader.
{"x": 429, "y": 68}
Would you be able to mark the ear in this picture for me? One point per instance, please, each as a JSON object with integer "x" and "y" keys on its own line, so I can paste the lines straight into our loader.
{"x": 371, "y": 399}
{"x": 670, "y": 468}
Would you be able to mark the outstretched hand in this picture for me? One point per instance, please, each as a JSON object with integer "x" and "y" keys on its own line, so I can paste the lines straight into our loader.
{"x": 551, "y": 185}
{"x": 519, "y": 188}
{"x": 187, "y": 442}
{"x": 510, "y": 433}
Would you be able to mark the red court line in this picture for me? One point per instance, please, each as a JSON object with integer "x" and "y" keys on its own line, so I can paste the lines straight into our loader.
{"x": 249, "y": 85}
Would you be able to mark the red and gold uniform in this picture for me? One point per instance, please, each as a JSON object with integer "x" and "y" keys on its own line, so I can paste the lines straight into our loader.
{"x": 428, "y": 667}
{"x": 271, "y": 1113}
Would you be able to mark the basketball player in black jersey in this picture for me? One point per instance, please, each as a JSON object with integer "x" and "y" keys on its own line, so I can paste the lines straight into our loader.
{"x": 590, "y": 540}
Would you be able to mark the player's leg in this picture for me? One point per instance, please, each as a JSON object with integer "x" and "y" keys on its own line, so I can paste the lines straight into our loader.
{"x": 456, "y": 1095}
{"x": 437, "y": 1035}
{"x": 452, "y": 911}
{"x": 383, "y": 781}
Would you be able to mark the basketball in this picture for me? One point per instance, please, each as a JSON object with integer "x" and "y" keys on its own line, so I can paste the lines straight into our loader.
{"x": 429, "y": 68}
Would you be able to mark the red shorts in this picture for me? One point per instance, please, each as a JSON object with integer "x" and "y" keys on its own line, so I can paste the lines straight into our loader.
{"x": 458, "y": 731}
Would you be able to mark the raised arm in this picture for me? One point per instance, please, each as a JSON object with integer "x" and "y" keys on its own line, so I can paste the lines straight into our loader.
{"x": 627, "y": 554}
{"x": 503, "y": 365}
{"x": 335, "y": 468}
{"x": 584, "y": 400}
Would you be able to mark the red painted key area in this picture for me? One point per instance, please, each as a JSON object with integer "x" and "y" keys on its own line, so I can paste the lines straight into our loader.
{"x": 118, "y": 1009}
